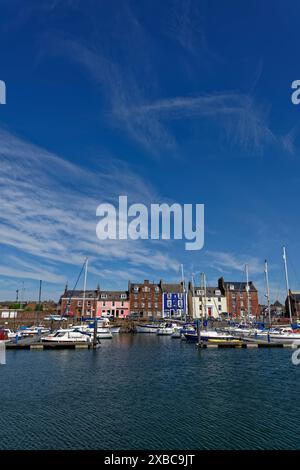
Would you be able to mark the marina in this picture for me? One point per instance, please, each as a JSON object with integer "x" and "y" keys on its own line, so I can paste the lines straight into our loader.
{"x": 209, "y": 398}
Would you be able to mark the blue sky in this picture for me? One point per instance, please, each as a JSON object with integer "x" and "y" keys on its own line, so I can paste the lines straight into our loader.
{"x": 172, "y": 101}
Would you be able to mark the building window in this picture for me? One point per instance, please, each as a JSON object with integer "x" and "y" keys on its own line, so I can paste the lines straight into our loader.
{"x": 156, "y": 289}
{"x": 135, "y": 289}
{"x": 179, "y": 303}
{"x": 180, "y": 296}
{"x": 169, "y": 303}
{"x": 103, "y": 296}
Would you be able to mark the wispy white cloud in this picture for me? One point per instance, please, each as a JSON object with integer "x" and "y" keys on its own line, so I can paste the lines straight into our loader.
{"x": 48, "y": 213}
{"x": 245, "y": 123}
{"x": 225, "y": 262}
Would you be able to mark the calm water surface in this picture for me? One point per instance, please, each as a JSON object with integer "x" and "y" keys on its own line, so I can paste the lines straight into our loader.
{"x": 149, "y": 392}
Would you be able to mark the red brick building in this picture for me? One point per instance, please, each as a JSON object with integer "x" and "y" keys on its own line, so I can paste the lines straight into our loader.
{"x": 237, "y": 298}
{"x": 295, "y": 305}
{"x": 145, "y": 299}
{"x": 71, "y": 303}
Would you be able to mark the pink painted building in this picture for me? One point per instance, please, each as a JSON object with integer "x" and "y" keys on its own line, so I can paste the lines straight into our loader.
{"x": 113, "y": 304}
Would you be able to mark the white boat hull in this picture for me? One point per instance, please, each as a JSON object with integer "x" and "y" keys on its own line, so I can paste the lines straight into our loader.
{"x": 115, "y": 329}
{"x": 165, "y": 331}
{"x": 146, "y": 329}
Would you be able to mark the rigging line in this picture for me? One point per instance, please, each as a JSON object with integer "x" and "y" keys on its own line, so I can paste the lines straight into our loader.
{"x": 294, "y": 271}
{"x": 214, "y": 301}
{"x": 72, "y": 292}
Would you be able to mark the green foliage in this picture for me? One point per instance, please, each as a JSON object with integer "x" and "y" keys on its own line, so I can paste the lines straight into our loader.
{"x": 14, "y": 306}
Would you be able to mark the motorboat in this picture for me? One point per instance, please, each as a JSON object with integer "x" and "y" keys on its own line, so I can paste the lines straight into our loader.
{"x": 67, "y": 336}
{"x": 207, "y": 335}
{"x": 114, "y": 329}
{"x": 147, "y": 328}
{"x": 102, "y": 332}
{"x": 180, "y": 331}
{"x": 33, "y": 331}
{"x": 166, "y": 329}
{"x": 10, "y": 334}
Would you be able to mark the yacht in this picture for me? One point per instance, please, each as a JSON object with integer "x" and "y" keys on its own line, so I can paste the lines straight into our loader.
{"x": 166, "y": 329}
{"x": 147, "y": 328}
{"x": 102, "y": 332}
{"x": 33, "y": 331}
{"x": 67, "y": 336}
{"x": 207, "y": 335}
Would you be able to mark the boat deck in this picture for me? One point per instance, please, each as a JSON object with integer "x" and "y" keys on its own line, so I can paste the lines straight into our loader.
{"x": 41, "y": 346}
{"x": 241, "y": 344}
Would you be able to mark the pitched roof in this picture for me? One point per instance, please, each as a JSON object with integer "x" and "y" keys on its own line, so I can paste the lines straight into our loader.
{"x": 113, "y": 295}
{"x": 277, "y": 304}
{"x": 89, "y": 294}
{"x": 295, "y": 296}
{"x": 210, "y": 291}
{"x": 146, "y": 283}
{"x": 239, "y": 286}
{"x": 172, "y": 287}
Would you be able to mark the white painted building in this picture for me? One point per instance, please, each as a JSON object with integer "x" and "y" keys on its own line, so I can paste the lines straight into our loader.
{"x": 215, "y": 302}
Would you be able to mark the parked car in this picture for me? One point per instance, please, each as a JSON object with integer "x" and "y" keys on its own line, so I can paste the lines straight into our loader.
{"x": 55, "y": 318}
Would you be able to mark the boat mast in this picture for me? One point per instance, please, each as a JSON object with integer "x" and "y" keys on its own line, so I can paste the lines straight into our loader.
{"x": 193, "y": 294}
{"x": 84, "y": 288}
{"x": 268, "y": 291}
{"x": 247, "y": 289}
{"x": 194, "y": 309}
{"x": 204, "y": 289}
{"x": 183, "y": 288}
{"x": 287, "y": 283}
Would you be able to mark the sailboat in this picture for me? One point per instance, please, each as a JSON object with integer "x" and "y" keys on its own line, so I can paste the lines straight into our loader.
{"x": 289, "y": 335}
{"x": 202, "y": 333}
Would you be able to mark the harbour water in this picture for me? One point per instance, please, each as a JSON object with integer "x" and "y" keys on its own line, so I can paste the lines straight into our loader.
{"x": 150, "y": 392}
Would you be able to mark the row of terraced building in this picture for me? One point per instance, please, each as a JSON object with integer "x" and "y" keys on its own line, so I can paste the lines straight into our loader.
{"x": 148, "y": 300}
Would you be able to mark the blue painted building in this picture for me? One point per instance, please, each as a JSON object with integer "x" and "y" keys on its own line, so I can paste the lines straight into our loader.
{"x": 174, "y": 301}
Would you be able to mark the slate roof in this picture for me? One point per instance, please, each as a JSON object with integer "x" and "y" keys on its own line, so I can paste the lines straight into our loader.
{"x": 239, "y": 286}
{"x": 172, "y": 288}
{"x": 210, "y": 291}
{"x": 89, "y": 294}
{"x": 113, "y": 295}
{"x": 295, "y": 296}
